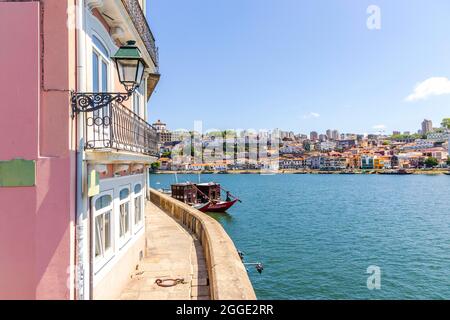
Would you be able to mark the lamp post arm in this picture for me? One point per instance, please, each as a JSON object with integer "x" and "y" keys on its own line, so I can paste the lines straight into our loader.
{"x": 91, "y": 101}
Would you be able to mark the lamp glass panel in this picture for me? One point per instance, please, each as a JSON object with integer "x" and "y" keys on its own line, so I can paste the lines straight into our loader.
{"x": 127, "y": 70}
{"x": 140, "y": 73}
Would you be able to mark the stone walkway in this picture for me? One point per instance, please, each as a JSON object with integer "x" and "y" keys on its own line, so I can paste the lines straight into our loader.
{"x": 172, "y": 252}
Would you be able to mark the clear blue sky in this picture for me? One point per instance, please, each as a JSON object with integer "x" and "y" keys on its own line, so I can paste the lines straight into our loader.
{"x": 301, "y": 65}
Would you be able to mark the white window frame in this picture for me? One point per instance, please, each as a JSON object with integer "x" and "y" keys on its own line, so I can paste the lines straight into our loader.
{"x": 127, "y": 236}
{"x": 99, "y": 262}
{"x": 138, "y": 225}
{"x": 114, "y": 185}
{"x": 138, "y": 98}
{"x": 96, "y": 28}
{"x": 102, "y": 58}
{"x": 102, "y": 87}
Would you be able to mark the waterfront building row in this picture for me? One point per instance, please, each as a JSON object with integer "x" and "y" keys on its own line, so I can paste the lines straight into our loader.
{"x": 371, "y": 152}
{"x": 351, "y": 159}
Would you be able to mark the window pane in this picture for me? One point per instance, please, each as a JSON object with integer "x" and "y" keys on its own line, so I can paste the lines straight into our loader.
{"x": 127, "y": 218}
{"x": 121, "y": 221}
{"x": 104, "y": 77}
{"x": 124, "y": 219}
{"x": 137, "y": 210}
{"x": 136, "y": 104}
{"x": 103, "y": 202}
{"x": 95, "y": 75}
{"x": 108, "y": 232}
{"x": 99, "y": 235}
{"x": 137, "y": 188}
{"x": 100, "y": 46}
{"x": 124, "y": 193}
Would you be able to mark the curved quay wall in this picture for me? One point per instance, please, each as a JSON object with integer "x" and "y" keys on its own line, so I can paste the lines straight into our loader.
{"x": 228, "y": 279}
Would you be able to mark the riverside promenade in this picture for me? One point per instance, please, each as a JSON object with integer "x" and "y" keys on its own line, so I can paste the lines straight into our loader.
{"x": 172, "y": 252}
{"x": 184, "y": 243}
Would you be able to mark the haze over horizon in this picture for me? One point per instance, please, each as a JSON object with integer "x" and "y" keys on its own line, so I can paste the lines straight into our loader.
{"x": 301, "y": 66}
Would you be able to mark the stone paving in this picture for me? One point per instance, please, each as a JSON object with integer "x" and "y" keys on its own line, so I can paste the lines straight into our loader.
{"x": 172, "y": 253}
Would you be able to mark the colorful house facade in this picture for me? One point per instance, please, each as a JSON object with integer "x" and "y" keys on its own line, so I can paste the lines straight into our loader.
{"x": 73, "y": 182}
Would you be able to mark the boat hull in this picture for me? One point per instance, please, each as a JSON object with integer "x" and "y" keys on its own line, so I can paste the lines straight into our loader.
{"x": 201, "y": 206}
{"x": 218, "y": 207}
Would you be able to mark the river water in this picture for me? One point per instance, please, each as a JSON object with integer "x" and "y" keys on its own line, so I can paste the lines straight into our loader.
{"x": 318, "y": 234}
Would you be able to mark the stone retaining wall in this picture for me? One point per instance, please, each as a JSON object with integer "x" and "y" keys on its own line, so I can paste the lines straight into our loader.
{"x": 228, "y": 279}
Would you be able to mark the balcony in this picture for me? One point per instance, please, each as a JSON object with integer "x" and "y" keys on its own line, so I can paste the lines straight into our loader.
{"x": 140, "y": 23}
{"x": 117, "y": 127}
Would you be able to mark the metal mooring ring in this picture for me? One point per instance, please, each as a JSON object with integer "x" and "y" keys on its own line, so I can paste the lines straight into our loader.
{"x": 171, "y": 282}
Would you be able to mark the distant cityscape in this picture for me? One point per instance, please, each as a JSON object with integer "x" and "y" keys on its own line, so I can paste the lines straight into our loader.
{"x": 427, "y": 148}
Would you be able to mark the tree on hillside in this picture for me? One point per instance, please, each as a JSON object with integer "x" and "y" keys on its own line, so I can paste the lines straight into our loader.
{"x": 407, "y": 136}
{"x": 431, "y": 162}
{"x": 445, "y": 123}
{"x": 166, "y": 154}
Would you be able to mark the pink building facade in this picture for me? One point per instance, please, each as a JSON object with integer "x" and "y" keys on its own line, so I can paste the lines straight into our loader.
{"x": 72, "y": 185}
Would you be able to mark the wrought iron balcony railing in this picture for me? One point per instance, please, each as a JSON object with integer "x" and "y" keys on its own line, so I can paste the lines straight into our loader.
{"x": 116, "y": 127}
{"x": 140, "y": 22}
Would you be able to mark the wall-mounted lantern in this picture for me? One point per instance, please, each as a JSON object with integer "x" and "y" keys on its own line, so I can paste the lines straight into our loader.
{"x": 130, "y": 67}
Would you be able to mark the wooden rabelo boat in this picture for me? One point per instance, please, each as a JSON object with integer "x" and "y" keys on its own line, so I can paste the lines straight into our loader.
{"x": 203, "y": 196}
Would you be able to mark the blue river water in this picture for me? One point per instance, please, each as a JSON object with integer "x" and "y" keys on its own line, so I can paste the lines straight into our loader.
{"x": 317, "y": 234}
